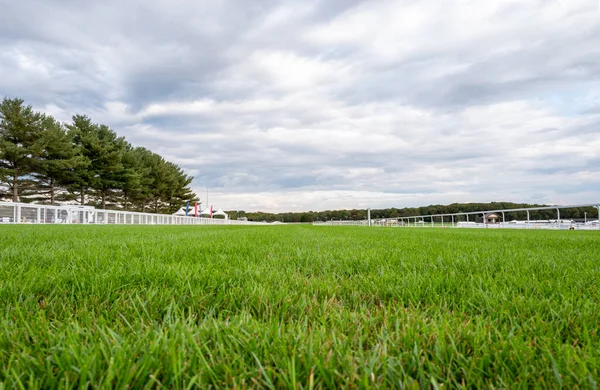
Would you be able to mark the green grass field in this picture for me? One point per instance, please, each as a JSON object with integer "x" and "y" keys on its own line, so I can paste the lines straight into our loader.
{"x": 297, "y": 306}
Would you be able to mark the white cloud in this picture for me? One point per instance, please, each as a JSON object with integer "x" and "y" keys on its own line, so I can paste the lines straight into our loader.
{"x": 315, "y": 105}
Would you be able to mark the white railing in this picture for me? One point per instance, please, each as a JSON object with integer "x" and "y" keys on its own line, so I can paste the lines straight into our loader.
{"x": 502, "y": 219}
{"x": 341, "y": 223}
{"x": 19, "y": 213}
{"x": 549, "y": 225}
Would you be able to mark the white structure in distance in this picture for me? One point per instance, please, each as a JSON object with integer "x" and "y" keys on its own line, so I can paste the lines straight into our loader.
{"x": 206, "y": 213}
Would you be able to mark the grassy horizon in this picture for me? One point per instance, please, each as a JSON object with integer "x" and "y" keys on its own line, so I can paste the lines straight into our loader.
{"x": 297, "y": 306}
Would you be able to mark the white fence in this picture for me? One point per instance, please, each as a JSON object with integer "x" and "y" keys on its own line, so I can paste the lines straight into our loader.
{"x": 342, "y": 223}
{"x": 549, "y": 225}
{"x": 41, "y": 214}
{"x": 502, "y": 219}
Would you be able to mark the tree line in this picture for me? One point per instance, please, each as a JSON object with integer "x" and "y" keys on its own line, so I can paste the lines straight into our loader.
{"x": 45, "y": 161}
{"x": 361, "y": 214}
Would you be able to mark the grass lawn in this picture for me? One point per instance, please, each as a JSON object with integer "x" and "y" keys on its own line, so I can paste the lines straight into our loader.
{"x": 290, "y": 306}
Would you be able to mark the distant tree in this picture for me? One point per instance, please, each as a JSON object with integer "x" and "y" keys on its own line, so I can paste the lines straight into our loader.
{"x": 150, "y": 165}
{"x": 83, "y": 133}
{"x": 19, "y": 144}
{"x": 159, "y": 176}
{"x": 178, "y": 192}
{"x": 107, "y": 163}
{"x": 135, "y": 180}
{"x": 56, "y": 162}
{"x": 40, "y": 160}
{"x": 101, "y": 152}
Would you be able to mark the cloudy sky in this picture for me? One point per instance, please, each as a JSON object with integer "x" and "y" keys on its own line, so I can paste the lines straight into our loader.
{"x": 313, "y": 105}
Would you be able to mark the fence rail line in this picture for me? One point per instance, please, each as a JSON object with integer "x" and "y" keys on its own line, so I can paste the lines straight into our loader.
{"x": 20, "y": 213}
{"x": 450, "y": 220}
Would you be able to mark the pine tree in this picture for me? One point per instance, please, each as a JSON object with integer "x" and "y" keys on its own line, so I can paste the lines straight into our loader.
{"x": 57, "y": 161}
{"x": 83, "y": 132}
{"x": 180, "y": 193}
{"x": 20, "y": 129}
{"x": 107, "y": 163}
{"x": 133, "y": 179}
{"x": 160, "y": 181}
{"x": 102, "y": 152}
{"x": 41, "y": 160}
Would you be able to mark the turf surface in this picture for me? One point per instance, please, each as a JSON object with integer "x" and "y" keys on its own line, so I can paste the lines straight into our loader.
{"x": 297, "y": 306}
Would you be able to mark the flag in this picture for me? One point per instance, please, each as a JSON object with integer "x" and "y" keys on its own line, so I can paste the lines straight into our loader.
{"x": 211, "y": 211}
{"x": 187, "y": 208}
{"x": 196, "y": 209}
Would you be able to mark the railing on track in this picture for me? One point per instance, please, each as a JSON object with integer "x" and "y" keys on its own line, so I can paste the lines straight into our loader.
{"x": 22, "y": 213}
{"x": 454, "y": 220}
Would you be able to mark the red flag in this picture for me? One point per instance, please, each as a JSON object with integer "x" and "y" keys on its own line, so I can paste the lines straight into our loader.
{"x": 211, "y": 211}
{"x": 196, "y": 210}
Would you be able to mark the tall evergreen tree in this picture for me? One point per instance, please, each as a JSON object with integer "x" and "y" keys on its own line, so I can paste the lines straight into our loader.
{"x": 179, "y": 192}
{"x": 57, "y": 161}
{"x": 147, "y": 184}
{"x": 135, "y": 179}
{"x": 83, "y": 132}
{"x": 107, "y": 162}
{"x": 20, "y": 129}
{"x": 85, "y": 160}
{"x": 102, "y": 151}
{"x": 160, "y": 182}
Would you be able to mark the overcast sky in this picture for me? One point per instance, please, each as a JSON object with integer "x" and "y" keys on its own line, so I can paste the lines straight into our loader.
{"x": 313, "y": 105}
